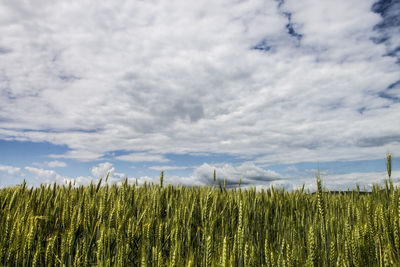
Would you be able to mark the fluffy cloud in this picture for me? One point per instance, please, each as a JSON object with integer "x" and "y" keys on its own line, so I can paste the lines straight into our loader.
{"x": 45, "y": 176}
{"x": 10, "y": 175}
{"x": 250, "y": 175}
{"x": 56, "y": 164}
{"x": 335, "y": 182}
{"x": 102, "y": 169}
{"x": 248, "y": 172}
{"x": 253, "y": 176}
{"x": 212, "y": 76}
{"x": 10, "y": 169}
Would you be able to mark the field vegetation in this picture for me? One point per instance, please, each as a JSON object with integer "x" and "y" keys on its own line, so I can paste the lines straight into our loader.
{"x": 156, "y": 225}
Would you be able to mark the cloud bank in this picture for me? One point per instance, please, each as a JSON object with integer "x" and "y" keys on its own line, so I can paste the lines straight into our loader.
{"x": 274, "y": 81}
{"x": 10, "y": 169}
{"x": 249, "y": 175}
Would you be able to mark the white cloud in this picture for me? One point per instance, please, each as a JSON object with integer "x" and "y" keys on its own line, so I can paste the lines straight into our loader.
{"x": 168, "y": 179}
{"x": 10, "y": 175}
{"x": 179, "y": 77}
{"x": 248, "y": 172}
{"x": 142, "y": 157}
{"x": 335, "y": 182}
{"x": 45, "y": 176}
{"x": 102, "y": 169}
{"x": 55, "y": 164}
{"x": 262, "y": 179}
{"x": 39, "y": 176}
{"x": 10, "y": 169}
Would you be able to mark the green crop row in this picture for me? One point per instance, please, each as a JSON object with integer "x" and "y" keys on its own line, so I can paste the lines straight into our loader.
{"x": 156, "y": 225}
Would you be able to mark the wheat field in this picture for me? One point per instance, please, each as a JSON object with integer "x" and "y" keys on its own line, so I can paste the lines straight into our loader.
{"x": 156, "y": 225}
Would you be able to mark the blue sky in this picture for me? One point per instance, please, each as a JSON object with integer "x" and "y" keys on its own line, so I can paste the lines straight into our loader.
{"x": 267, "y": 91}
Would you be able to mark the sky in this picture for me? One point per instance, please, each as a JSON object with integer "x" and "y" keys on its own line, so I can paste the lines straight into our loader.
{"x": 266, "y": 91}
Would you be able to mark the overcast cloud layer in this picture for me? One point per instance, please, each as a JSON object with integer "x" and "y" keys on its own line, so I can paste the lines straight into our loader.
{"x": 271, "y": 81}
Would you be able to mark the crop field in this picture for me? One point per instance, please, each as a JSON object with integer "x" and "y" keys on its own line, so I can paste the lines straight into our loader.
{"x": 156, "y": 225}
